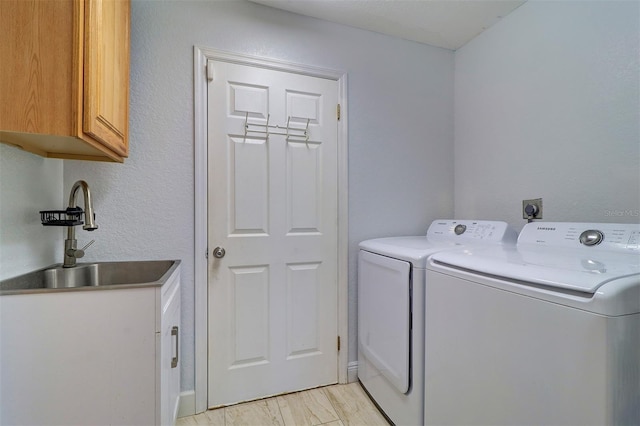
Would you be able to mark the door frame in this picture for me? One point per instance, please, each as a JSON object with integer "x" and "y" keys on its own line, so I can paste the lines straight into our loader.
{"x": 200, "y": 80}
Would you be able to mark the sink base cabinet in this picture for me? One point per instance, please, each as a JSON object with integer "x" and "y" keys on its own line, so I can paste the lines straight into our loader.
{"x": 90, "y": 357}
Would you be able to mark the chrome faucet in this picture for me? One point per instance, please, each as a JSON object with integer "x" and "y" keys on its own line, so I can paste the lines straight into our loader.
{"x": 71, "y": 252}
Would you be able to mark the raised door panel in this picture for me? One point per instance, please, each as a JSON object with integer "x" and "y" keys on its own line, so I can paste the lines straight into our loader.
{"x": 304, "y": 188}
{"x": 106, "y": 73}
{"x": 249, "y": 324}
{"x": 249, "y": 187}
{"x": 303, "y": 309}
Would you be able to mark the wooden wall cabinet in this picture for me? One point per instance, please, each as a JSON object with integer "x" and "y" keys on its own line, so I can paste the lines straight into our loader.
{"x": 64, "y": 77}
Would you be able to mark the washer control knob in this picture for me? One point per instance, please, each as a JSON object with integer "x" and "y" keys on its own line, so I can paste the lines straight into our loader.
{"x": 591, "y": 237}
{"x": 459, "y": 229}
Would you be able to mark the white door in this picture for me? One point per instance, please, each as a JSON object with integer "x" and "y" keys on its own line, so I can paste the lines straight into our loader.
{"x": 272, "y": 203}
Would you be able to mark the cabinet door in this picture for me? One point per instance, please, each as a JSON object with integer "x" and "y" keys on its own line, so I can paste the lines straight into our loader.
{"x": 170, "y": 356}
{"x": 106, "y": 72}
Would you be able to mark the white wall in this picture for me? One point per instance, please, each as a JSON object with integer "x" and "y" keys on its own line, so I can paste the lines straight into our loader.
{"x": 547, "y": 105}
{"x": 28, "y": 184}
{"x": 400, "y": 133}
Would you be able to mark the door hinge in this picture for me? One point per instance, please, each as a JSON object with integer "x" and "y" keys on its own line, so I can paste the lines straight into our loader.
{"x": 209, "y": 70}
{"x": 338, "y": 112}
{"x": 338, "y": 343}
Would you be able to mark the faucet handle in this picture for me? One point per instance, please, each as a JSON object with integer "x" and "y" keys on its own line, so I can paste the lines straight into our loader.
{"x": 88, "y": 244}
{"x": 80, "y": 253}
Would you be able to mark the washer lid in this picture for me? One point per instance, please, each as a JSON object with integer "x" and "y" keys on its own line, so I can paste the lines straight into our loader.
{"x": 412, "y": 249}
{"x": 560, "y": 267}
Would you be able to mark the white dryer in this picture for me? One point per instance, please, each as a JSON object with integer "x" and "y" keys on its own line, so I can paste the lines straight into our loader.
{"x": 543, "y": 333}
{"x": 391, "y": 281}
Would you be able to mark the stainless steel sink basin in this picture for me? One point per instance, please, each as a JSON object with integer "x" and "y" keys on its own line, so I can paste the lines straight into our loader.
{"x": 79, "y": 276}
{"x": 92, "y": 276}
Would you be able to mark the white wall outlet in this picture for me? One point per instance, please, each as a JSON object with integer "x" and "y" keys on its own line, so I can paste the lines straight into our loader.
{"x": 532, "y": 209}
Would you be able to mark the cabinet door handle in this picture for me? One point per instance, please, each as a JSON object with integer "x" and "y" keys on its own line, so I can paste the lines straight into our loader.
{"x": 174, "y": 332}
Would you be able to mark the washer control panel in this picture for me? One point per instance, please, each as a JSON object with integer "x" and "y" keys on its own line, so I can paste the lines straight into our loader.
{"x": 472, "y": 230}
{"x": 606, "y": 236}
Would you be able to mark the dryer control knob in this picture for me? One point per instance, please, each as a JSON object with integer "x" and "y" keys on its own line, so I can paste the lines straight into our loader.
{"x": 591, "y": 237}
{"x": 459, "y": 229}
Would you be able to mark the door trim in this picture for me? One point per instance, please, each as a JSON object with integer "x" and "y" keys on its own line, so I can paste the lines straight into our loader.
{"x": 201, "y": 56}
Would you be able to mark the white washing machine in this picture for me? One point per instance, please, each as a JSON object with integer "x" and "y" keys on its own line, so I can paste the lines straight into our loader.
{"x": 543, "y": 333}
{"x": 391, "y": 281}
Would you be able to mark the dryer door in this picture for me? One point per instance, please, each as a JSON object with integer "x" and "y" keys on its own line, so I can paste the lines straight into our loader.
{"x": 384, "y": 316}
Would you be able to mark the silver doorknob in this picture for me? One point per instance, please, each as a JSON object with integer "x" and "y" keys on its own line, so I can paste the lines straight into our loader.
{"x": 219, "y": 252}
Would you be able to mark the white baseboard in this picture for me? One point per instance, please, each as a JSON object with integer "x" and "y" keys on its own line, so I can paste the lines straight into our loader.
{"x": 187, "y": 406}
{"x": 352, "y": 371}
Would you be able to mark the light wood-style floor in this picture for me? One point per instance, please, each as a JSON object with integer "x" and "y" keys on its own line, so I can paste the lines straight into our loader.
{"x": 336, "y": 405}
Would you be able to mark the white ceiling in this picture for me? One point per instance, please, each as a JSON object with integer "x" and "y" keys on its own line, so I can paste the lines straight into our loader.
{"x": 443, "y": 23}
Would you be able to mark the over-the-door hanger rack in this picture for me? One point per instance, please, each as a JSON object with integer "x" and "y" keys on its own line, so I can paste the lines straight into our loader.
{"x": 292, "y": 133}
